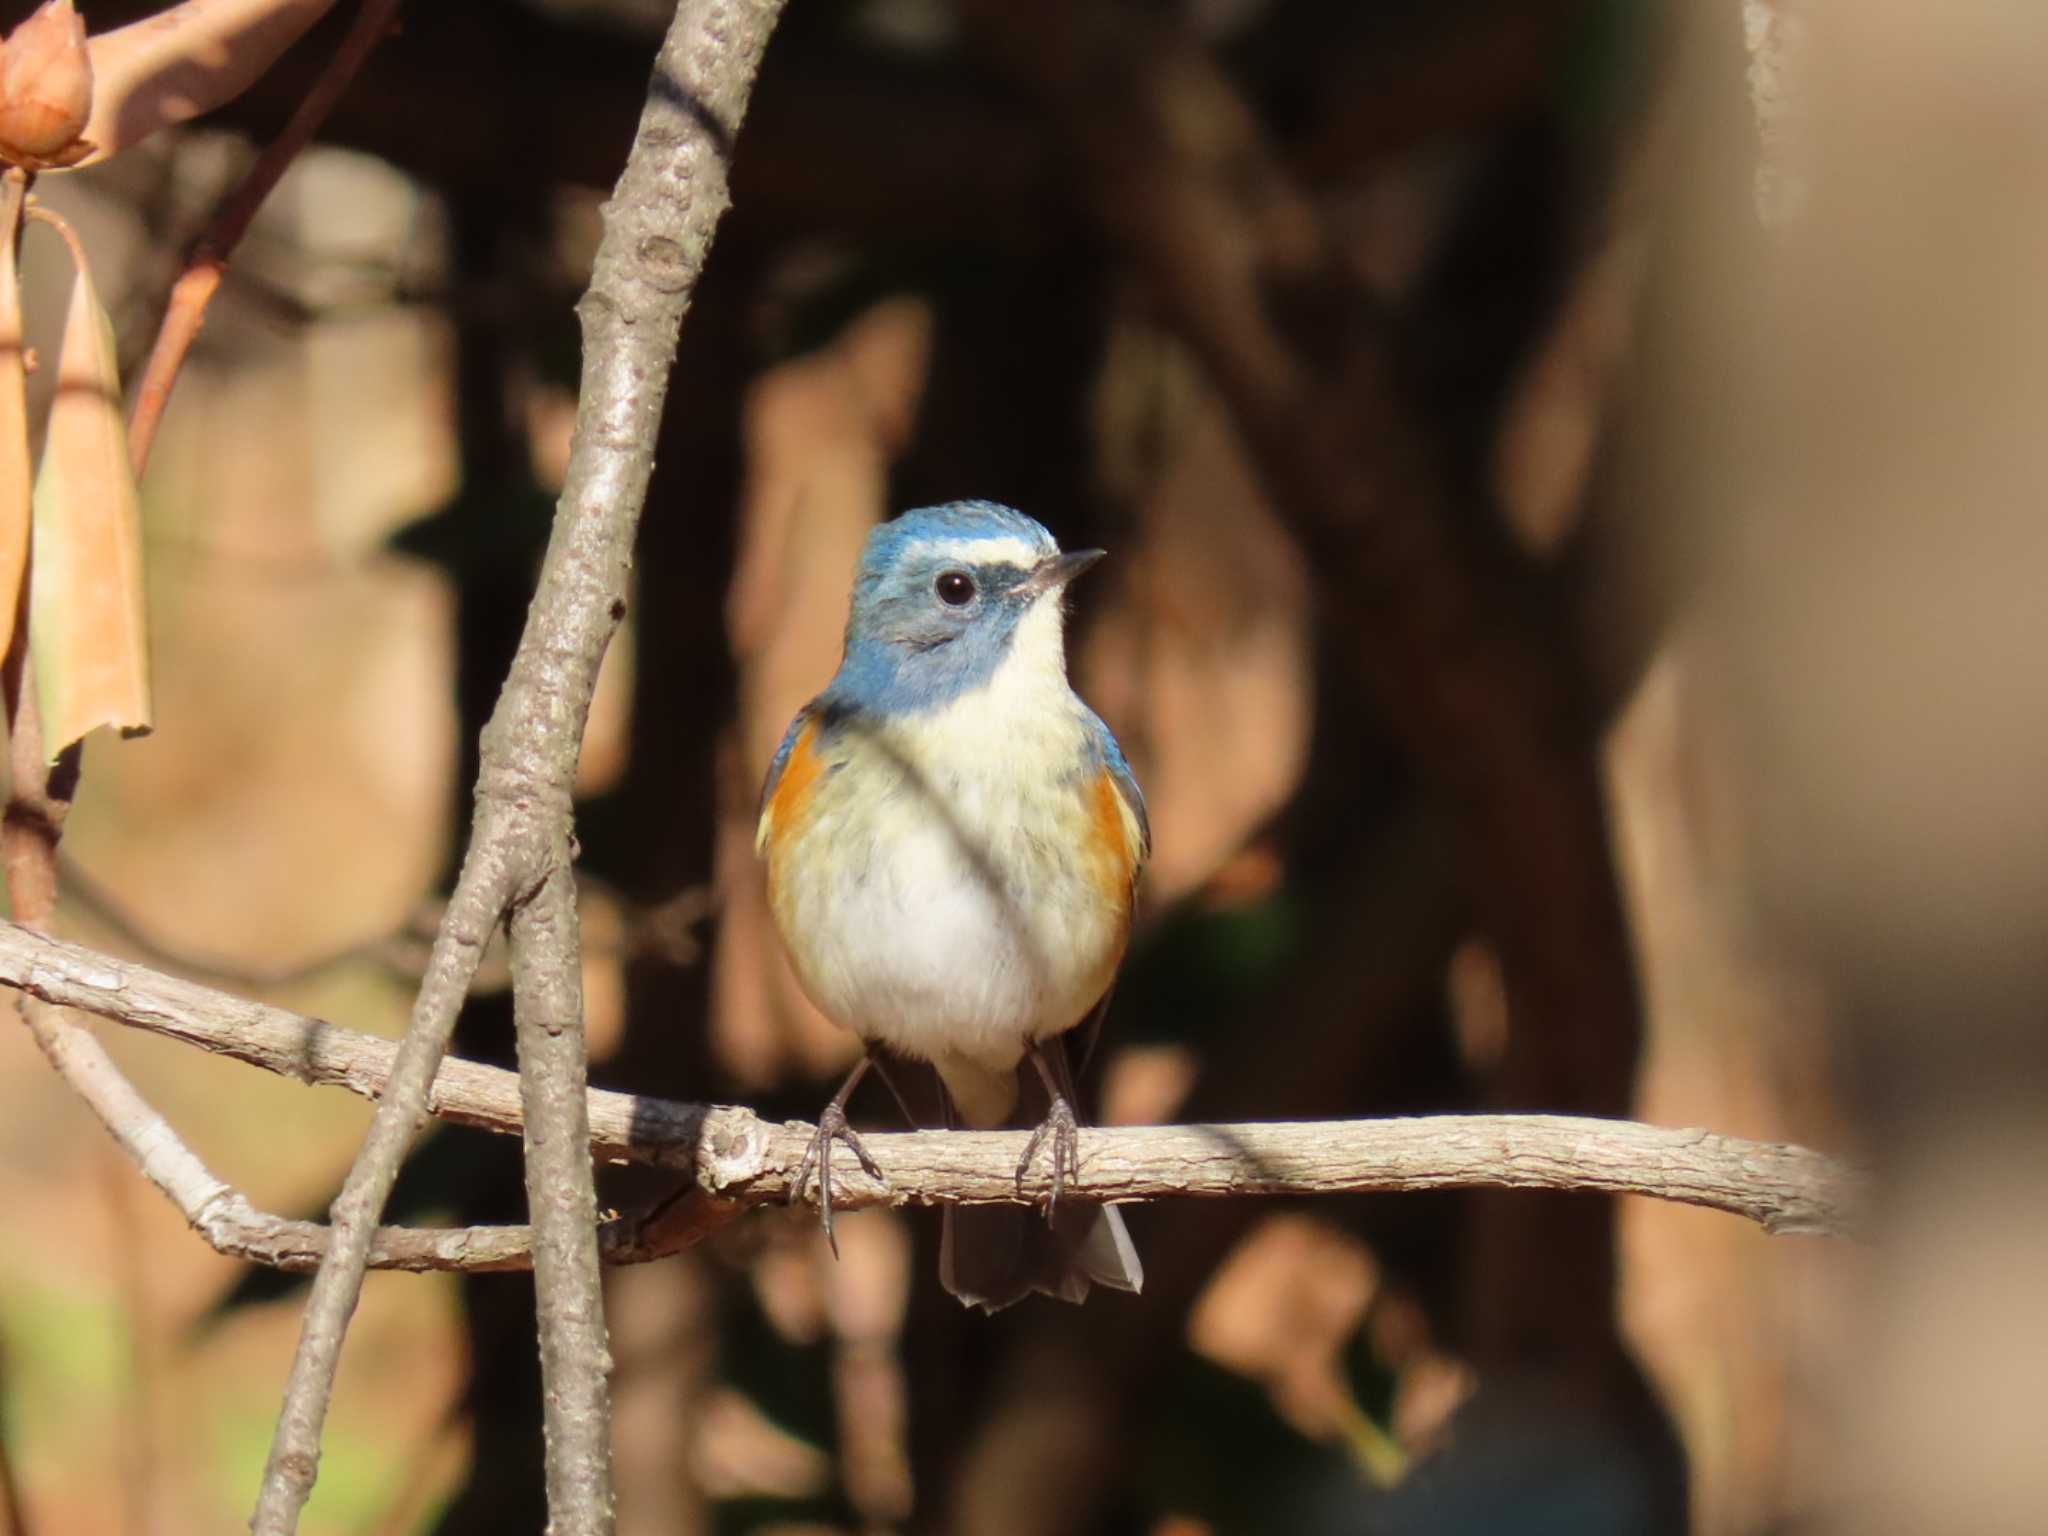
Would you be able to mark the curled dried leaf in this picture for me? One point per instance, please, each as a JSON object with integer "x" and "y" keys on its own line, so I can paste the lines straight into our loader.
{"x": 45, "y": 87}
{"x": 86, "y": 612}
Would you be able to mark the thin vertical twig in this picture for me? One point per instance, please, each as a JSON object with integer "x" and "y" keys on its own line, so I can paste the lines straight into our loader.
{"x": 32, "y": 826}
{"x": 38, "y": 799}
{"x": 658, "y": 227}
{"x": 41, "y": 791}
{"x": 547, "y": 1013}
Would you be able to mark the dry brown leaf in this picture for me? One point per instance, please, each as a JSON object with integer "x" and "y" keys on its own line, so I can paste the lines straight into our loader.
{"x": 86, "y": 626}
{"x": 16, "y": 476}
{"x": 183, "y": 62}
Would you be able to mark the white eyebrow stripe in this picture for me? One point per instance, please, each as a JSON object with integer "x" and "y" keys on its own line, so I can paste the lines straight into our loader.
{"x": 996, "y": 551}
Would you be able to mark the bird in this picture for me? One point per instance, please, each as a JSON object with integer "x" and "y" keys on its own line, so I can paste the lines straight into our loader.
{"x": 953, "y": 841}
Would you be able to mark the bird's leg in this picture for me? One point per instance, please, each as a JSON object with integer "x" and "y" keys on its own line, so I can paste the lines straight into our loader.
{"x": 1059, "y": 1123}
{"x": 888, "y": 1082}
{"x": 832, "y": 1127}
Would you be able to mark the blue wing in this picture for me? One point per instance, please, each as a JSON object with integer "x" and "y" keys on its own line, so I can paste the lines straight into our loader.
{"x": 781, "y": 758}
{"x": 1120, "y": 774}
{"x": 823, "y": 713}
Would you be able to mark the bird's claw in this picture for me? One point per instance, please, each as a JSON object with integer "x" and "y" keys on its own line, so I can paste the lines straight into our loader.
{"x": 817, "y": 1158}
{"x": 1060, "y": 1125}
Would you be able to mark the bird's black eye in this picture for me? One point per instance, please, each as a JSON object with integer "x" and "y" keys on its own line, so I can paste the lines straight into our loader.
{"x": 955, "y": 588}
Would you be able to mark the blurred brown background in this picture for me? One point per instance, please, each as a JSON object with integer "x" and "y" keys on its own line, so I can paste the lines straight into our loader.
{"x": 1569, "y": 471}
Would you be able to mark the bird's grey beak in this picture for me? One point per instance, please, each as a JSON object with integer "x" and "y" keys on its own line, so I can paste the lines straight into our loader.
{"x": 1050, "y": 575}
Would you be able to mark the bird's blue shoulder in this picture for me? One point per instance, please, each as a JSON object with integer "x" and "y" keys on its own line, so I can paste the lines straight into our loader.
{"x": 828, "y": 715}
{"x": 780, "y": 760}
{"x": 1111, "y": 757}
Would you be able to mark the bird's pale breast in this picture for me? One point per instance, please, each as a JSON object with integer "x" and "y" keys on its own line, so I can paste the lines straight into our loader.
{"x": 952, "y": 882}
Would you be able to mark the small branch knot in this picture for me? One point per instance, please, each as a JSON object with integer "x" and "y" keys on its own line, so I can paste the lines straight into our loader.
{"x": 665, "y": 265}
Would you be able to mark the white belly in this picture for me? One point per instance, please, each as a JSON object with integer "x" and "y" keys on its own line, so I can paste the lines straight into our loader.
{"x": 950, "y": 911}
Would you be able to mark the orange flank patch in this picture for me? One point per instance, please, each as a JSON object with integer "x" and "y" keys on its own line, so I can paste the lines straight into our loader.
{"x": 801, "y": 771}
{"x": 1108, "y": 831}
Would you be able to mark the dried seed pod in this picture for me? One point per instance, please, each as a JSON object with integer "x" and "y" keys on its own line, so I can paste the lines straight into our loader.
{"x": 45, "y": 87}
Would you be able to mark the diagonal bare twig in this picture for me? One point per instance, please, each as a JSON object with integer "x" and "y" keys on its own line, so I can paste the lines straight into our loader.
{"x": 295, "y": 1449}
{"x": 230, "y": 1224}
{"x": 658, "y": 227}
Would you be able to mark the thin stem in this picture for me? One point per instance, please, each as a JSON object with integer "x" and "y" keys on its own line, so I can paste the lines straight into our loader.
{"x": 547, "y": 1013}
{"x": 658, "y": 227}
{"x": 193, "y": 292}
{"x": 223, "y": 1216}
{"x": 295, "y": 1447}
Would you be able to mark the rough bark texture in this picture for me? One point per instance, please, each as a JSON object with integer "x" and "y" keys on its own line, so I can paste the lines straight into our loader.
{"x": 658, "y": 229}
{"x": 576, "y": 1363}
{"x": 738, "y": 1159}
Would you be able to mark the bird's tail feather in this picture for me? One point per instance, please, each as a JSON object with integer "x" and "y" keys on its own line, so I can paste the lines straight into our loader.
{"x": 993, "y": 1255}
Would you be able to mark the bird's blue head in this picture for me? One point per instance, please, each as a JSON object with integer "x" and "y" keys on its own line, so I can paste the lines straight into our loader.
{"x": 945, "y": 598}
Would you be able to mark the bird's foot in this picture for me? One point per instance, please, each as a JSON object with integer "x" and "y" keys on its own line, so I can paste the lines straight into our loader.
{"x": 817, "y": 1157}
{"x": 1059, "y": 1124}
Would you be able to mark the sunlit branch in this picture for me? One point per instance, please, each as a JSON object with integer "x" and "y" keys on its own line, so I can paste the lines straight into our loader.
{"x": 658, "y": 227}
{"x": 737, "y": 1159}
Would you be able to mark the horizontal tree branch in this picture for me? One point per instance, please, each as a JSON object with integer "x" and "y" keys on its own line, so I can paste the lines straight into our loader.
{"x": 738, "y": 1159}
{"x": 233, "y": 1226}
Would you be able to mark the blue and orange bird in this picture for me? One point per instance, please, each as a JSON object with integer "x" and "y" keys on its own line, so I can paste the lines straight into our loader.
{"x": 953, "y": 842}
